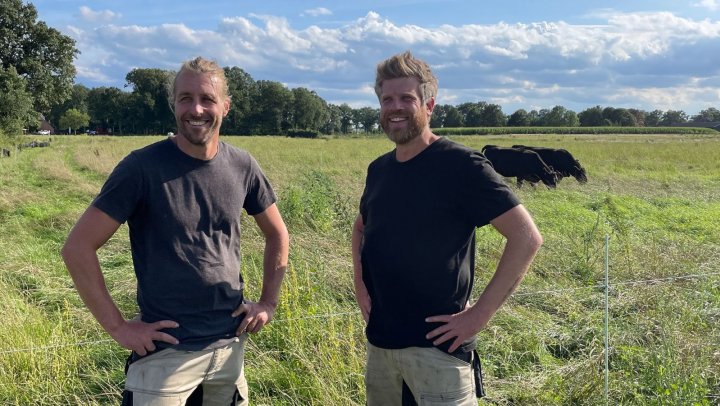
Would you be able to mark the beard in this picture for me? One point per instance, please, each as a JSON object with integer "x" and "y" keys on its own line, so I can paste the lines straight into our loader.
{"x": 415, "y": 126}
{"x": 197, "y": 135}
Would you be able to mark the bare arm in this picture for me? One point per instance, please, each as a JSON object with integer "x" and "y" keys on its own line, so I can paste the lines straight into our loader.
{"x": 275, "y": 261}
{"x": 361, "y": 293}
{"x": 91, "y": 232}
{"x": 523, "y": 242}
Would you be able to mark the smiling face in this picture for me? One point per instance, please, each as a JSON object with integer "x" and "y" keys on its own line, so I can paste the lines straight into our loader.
{"x": 403, "y": 115}
{"x": 200, "y": 106}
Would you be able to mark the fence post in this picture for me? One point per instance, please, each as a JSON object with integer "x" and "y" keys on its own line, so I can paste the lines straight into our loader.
{"x": 607, "y": 317}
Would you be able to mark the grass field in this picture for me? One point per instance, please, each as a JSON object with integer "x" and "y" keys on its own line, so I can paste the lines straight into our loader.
{"x": 656, "y": 197}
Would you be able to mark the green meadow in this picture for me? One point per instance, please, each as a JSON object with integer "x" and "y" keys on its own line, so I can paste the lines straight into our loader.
{"x": 655, "y": 199}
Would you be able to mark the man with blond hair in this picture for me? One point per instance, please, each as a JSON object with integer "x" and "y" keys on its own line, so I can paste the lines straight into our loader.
{"x": 413, "y": 248}
{"x": 182, "y": 199}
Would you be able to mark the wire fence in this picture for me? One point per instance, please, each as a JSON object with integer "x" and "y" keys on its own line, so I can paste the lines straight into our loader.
{"x": 603, "y": 288}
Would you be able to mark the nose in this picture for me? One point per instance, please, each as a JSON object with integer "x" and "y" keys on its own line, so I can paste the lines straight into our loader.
{"x": 197, "y": 108}
{"x": 392, "y": 104}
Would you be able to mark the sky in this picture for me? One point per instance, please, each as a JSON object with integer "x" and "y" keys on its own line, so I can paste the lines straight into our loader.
{"x": 644, "y": 54}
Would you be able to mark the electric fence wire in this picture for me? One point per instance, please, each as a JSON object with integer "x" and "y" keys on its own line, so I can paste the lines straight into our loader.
{"x": 328, "y": 315}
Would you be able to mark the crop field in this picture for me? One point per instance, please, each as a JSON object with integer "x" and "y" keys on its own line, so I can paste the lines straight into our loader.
{"x": 648, "y": 215}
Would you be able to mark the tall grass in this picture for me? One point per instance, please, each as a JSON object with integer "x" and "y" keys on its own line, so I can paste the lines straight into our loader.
{"x": 656, "y": 197}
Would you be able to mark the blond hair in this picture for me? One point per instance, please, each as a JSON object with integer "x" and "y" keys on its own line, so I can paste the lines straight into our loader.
{"x": 199, "y": 65}
{"x": 405, "y": 65}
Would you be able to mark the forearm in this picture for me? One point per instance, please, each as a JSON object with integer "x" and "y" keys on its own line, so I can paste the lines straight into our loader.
{"x": 274, "y": 267}
{"x": 356, "y": 244}
{"x": 513, "y": 265}
{"x": 84, "y": 269}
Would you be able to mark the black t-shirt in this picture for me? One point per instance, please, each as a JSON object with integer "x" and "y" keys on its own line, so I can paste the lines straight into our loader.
{"x": 184, "y": 220}
{"x": 419, "y": 237}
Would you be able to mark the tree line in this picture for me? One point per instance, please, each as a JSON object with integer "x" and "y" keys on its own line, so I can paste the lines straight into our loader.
{"x": 266, "y": 107}
{"x": 37, "y": 75}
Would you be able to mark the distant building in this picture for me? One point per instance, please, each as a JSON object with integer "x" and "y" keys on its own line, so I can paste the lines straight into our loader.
{"x": 45, "y": 127}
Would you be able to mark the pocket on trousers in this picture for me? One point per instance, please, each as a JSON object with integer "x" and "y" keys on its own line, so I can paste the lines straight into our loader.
{"x": 465, "y": 396}
{"x": 445, "y": 357}
{"x": 241, "y": 394}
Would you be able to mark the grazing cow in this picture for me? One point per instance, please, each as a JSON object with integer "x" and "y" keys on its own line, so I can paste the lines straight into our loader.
{"x": 525, "y": 165}
{"x": 561, "y": 161}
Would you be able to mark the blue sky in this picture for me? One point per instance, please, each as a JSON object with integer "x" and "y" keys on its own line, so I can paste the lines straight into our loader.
{"x": 518, "y": 54}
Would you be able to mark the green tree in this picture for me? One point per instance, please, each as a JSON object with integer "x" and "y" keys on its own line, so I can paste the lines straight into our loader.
{"x": 535, "y": 117}
{"x": 559, "y": 116}
{"x": 453, "y": 117}
{"x": 472, "y": 113}
{"x": 150, "y": 103}
{"x": 332, "y": 124}
{"x": 77, "y": 100}
{"x": 242, "y": 90}
{"x": 519, "y": 118}
{"x": 493, "y": 116}
{"x": 271, "y": 109}
{"x": 674, "y": 117}
{"x": 367, "y": 117}
{"x": 610, "y": 116}
{"x": 625, "y": 118}
{"x": 707, "y": 115}
{"x": 309, "y": 111}
{"x": 106, "y": 106}
{"x": 437, "y": 119}
{"x": 40, "y": 54}
{"x": 346, "y": 118}
{"x": 639, "y": 116}
{"x": 653, "y": 118}
{"x": 16, "y": 104}
{"x": 74, "y": 119}
{"x": 592, "y": 117}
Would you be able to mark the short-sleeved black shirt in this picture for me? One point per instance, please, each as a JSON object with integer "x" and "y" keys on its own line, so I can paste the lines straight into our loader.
{"x": 184, "y": 220}
{"x": 419, "y": 237}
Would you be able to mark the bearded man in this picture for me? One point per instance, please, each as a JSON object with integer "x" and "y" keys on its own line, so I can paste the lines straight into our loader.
{"x": 182, "y": 199}
{"x": 413, "y": 249}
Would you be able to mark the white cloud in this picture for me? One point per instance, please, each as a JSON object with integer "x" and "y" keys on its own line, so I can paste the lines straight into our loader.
{"x": 316, "y": 12}
{"x": 664, "y": 98}
{"x": 648, "y": 55}
{"x": 711, "y": 5}
{"x": 104, "y": 16}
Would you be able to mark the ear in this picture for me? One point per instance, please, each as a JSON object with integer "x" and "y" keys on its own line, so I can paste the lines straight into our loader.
{"x": 430, "y": 105}
{"x": 226, "y": 106}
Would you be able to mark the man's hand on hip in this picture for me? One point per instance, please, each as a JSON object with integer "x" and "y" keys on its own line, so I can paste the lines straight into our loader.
{"x": 257, "y": 315}
{"x": 138, "y": 336}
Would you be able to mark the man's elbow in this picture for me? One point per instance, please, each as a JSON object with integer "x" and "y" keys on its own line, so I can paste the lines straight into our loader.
{"x": 67, "y": 250}
{"x": 278, "y": 236}
{"x": 535, "y": 240}
{"x": 71, "y": 252}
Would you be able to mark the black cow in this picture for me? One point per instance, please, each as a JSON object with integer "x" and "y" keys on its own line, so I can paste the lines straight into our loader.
{"x": 5, "y": 153}
{"x": 523, "y": 164}
{"x": 561, "y": 161}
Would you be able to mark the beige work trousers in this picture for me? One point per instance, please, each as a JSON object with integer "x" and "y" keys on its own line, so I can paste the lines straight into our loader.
{"x": 168, "y": 377}
{"x": 433, "y": 376}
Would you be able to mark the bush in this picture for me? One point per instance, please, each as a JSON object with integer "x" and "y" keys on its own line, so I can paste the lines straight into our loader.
{"x": 294, "y": 133}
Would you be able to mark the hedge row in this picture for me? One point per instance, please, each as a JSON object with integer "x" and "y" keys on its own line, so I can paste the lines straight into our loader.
{"x": 571, "y": 130}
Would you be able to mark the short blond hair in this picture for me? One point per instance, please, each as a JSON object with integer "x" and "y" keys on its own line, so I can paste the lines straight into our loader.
{"x": 405, "y": 65}
{"x": 199, "y": 65}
